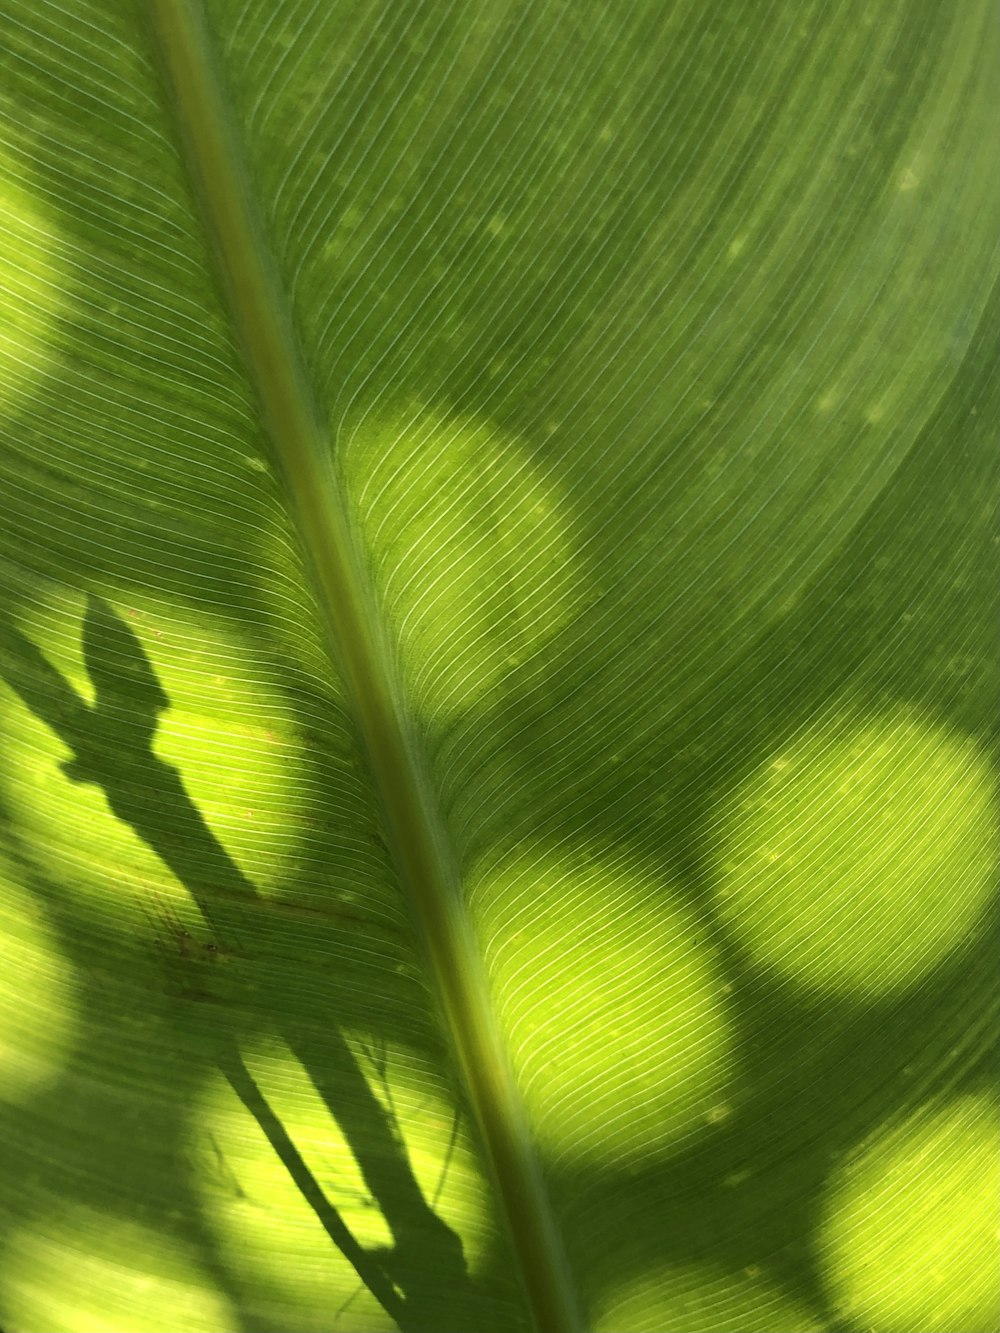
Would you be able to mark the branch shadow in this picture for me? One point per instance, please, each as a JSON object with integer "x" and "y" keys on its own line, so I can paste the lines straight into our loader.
{"x": 111, "y": 744}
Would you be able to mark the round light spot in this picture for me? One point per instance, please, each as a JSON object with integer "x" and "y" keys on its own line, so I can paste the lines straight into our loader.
{"x": 268, "y": 1231}
{"x": 678, "y": 1300}
{"x": 912, "y": 1226}
{"x": 862, "y": 853}
{"x": 37, "y": 996}
{"x": 32, "y": 287}
{"x": 92, "y": 1272}
{"x": 611, "y": 1002}
{"x": 472, "y": 550}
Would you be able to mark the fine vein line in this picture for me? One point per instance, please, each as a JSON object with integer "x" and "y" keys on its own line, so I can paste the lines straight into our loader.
{"x": 359, "y": 644}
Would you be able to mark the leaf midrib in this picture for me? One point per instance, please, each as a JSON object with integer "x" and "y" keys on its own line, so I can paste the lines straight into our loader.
{"x": 359, "y": 644}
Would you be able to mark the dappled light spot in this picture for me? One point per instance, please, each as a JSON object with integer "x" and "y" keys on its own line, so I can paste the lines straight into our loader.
{"x": 262, "y": 1220}
{"x": 37, "y": 996}
{"x": 611, "y": 1001}
{"x": 911, "y": 1234}
{"x": 860, "y": 854}
{"x": 86, "y": 1271}
{"x": 681, "y": 1299}
{"x": 32, "y": 287}
{"x": 145, "y": 684}
{"x": 472, "y": 550}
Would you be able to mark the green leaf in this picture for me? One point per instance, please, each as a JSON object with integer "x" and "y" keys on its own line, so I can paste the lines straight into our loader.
{"x": 498, "y": 667}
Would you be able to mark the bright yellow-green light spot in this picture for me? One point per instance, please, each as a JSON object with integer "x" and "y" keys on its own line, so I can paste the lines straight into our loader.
{"x": 37, "y": 996}
{"x": 32, "y": 287}
{"x": 264, "y": 1225}
{"x": 861, "y": 853}
{"x": 679, "y": 1300}
{"x": 611, "y": 1001}
{"x": 472, "y": 550}
{"x": 92, "y": 1272}
{"x": 225, "y": 730}
{"x": 912, "y": 1229}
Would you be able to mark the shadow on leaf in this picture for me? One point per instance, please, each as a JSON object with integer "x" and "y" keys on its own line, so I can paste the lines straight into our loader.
{"x": 111, "y": 743}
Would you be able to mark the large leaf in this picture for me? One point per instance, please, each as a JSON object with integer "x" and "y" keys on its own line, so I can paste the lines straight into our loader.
{"x": 498, "y": 721}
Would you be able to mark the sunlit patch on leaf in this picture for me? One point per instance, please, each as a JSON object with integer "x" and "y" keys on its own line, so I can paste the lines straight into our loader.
{"x": 32, "y": 287}
{"x": 862, "y": 853}
{"x": 37, "y": 996}
{"x": 472, "y": 548}
{"x": 264, "y": 1224}
{"x": 86, "y": 1271}
{"x": 200, "y": 698}
{"x": 679, "y": 1300}
{"x": 912, "y": 1226}
{"x": 612, "y": 1003}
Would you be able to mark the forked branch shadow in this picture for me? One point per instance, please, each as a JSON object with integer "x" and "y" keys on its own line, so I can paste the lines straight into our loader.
{"x": 111, "y": 744}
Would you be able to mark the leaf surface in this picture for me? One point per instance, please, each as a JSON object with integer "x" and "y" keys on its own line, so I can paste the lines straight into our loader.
{"x": 498, "y": 782}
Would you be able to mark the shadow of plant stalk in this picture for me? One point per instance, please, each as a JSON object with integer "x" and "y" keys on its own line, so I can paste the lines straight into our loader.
{"x": 111, "y": 744}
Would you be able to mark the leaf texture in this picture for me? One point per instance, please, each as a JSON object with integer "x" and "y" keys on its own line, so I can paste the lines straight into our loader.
{"x": 647, "y": 979}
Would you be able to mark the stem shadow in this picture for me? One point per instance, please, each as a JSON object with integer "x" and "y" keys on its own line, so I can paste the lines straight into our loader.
{"x": 111, "y": 743}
